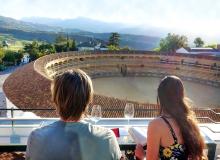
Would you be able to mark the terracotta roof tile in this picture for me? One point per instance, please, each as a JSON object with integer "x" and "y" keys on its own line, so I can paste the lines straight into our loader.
{"x": 12, "y": 156}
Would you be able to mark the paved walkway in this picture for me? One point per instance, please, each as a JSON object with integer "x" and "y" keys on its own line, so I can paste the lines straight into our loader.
{"x": 3, "y": 76}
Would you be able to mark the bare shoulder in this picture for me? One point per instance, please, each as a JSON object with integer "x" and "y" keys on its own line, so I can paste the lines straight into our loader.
{"x": 156, "y": 124}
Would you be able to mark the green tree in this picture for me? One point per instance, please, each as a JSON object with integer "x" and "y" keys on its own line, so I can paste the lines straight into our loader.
{"x": 9, "y": 57}
{"x": 64, "y": 44}
{"x": 214, "y": 46}
{"x": 59, "y": 48}
{"x": 172, "y": 42}
{"x": 33, "y": 50}
{"x": 12, "y": 57}
{"x": 60, "y": 39}
{"x": 46, "y": 48}
{"x": 34, "y": 54}
{"x": 73, "y": 45}
{"x": 114, "y": 40}
{"x": 113, "y": 48}
{"x": 198, "y": 42}
{"x": 2, "y": 54}
{"x": 1, "y": 47}
{"x": 61, "y": 43}
{"x": 18, "y": 56}
{"x": 29, "y": 47}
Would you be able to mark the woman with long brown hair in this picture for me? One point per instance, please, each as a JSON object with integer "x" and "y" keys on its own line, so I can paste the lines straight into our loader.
{"x": 175, "y": 134}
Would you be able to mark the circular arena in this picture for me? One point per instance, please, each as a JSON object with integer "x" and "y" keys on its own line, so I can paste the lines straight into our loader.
{"x": 29, "y": 86}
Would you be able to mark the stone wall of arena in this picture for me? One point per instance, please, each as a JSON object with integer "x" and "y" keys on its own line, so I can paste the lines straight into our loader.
{"x": 30, "y": 86}
{"x": 102, "y": 64}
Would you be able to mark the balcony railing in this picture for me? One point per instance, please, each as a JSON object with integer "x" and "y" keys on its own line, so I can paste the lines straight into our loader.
{"x": 14, "y": 132}
{"x": 211, "y": 116}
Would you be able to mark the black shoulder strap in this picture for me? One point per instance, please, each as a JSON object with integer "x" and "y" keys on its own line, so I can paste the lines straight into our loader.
{"x": 171, "y": 129}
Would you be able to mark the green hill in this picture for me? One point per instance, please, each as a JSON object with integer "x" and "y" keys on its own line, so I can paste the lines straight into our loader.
{"x": 30, "y": 31}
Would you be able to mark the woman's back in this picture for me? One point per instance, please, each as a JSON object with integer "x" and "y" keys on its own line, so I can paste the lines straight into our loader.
{"x": 166, "y": 135}
{"x": 172, "y": 144}
{"x": 164, "y": 140}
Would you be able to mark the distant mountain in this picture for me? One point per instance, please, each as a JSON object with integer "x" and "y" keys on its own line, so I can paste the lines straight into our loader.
{"x": 137, "y": 42}
{"x": 97, "y": 26}
{"x": 130, "y": 35}
{"x": 49, "y": 29}
{"x": 10, "y": 23}
{"x": 85, "y": 24}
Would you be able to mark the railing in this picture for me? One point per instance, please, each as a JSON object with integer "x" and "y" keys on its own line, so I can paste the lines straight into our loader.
{"x": 105, "y": 122}
{"x": 150, "y": 111}
{"x": 128, "y": 148}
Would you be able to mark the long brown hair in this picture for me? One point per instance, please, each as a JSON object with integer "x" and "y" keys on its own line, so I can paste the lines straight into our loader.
{"x": 172, "y": 101}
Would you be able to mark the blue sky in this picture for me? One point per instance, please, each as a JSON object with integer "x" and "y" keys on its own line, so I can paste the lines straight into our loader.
{"x": 192, "y": 16}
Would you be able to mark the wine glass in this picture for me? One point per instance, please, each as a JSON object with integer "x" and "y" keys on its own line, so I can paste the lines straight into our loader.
{"x": 96, "y": 113}
{"x": 129, "y": 111}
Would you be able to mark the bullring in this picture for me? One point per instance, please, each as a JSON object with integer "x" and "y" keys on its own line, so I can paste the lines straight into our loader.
{"x": 29, "y": 86}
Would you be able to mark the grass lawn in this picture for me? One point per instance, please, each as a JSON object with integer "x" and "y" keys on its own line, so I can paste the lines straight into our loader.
{"x": 15, "y": 44}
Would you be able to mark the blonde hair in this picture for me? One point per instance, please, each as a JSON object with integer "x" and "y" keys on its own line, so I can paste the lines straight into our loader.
{"x": 72, "y": 92}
